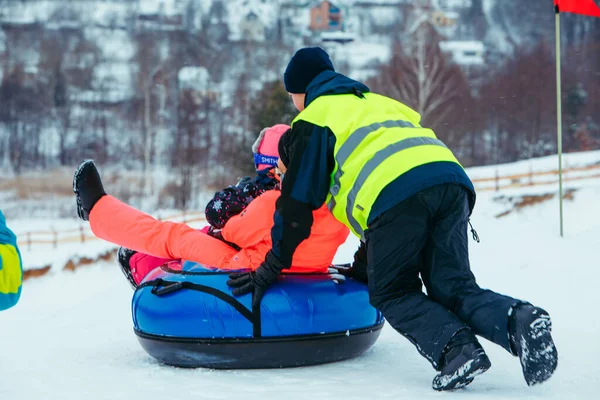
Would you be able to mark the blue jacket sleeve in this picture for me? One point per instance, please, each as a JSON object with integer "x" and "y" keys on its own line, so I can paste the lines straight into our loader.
{"x": 304, "y": 187}
{"x": 11, "y": 268}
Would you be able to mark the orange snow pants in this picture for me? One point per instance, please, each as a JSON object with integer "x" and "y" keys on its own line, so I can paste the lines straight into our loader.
{"x": 119, "y": 223}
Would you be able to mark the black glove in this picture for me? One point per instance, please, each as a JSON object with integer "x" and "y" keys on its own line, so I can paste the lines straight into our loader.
{"x": 257, "y": 281}
{"x": 358, "y": 269}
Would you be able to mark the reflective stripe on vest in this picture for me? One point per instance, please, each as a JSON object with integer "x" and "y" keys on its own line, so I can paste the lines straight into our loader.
{"x": 373, "y": 163}
{"x": 351, "y": 144}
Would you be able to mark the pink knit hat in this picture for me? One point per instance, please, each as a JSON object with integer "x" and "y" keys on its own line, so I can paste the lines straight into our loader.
{"x": 265, "y": 146}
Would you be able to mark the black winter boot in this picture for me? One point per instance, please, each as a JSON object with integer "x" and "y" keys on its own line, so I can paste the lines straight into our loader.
{"x": 87, "y": 187}
{"x": 124, "y": 255}
{"x": 463, "y": 359}
{"x": 530, "y": 338}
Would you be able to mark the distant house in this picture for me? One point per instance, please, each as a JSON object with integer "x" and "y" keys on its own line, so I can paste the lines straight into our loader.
{"x": 252, "y": 28}
{"x": 422, "y": 24}
{"x": 464, "y": 52}
{"x": 444, "y": 19}
{"x": 160, "y": 15}
{"x": 64, "y": 18}
{"x": 325, "y": 17}
{"x": 452, "y": 4}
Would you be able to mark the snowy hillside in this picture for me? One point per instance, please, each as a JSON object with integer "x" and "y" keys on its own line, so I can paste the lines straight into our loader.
{"x": 104, "y": 78}
{"x": 71, "y": 335}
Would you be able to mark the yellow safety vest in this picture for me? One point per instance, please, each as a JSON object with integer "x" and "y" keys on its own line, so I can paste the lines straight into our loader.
{"x": 377, "y": 140}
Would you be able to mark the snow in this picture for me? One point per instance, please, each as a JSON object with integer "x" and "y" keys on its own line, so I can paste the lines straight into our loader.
{"x": 384, "y": 16}
{"x": 361, "y": 56}
{"x": 72, "y": 331}
{"x": 463, "y": 45}
{"x": 22, "y": 12}
{"x": 160, "y": 7}
{"x": 576, "y": 159}
{"x": 522, "y": 172}
{"x": 337, "y": 36}
{"x": 2, "y": 41}
{"x": 196, "y": 78}
{"x": 452, "y": 4}
{"x": 500, "y": 34}
{"x": 111, "y": 83}
{"x": 266, "y": 13}
{"x": 117, "y": 45}
{"x": 452, "y": 15}
{"x": 110, "y": 13}
{"x": 113, "y": 75}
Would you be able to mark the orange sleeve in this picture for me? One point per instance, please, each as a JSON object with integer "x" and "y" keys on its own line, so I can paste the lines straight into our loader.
{"x": 253, "y": 224}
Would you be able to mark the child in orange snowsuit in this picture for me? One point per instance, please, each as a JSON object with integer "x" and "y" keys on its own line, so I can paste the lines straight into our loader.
{"x": 225, "y": 204}
{"x": 114, "y": 221}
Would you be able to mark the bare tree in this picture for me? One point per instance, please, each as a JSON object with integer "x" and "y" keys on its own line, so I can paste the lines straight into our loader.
{"x": 150, "y": 65}
{"x": 22, "y": 114}
{"x": 271, "y": 106}
{"x": 193, "y": 140}
{"x": 419, "y": 75}
{"x": 521, "y": 105}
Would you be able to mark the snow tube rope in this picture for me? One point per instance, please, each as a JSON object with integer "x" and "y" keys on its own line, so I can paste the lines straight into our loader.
{"x": 161, "y": 287}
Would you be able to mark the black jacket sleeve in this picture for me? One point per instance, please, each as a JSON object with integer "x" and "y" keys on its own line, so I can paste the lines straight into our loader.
{"x": 304, "y": 187}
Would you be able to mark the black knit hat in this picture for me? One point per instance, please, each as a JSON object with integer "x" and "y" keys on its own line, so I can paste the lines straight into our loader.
{"x": 304, "y": 66}
{"x": 284, "y": 147}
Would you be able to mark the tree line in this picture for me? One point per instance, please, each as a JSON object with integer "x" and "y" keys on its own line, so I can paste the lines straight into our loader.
{"x": 59, "y": 108}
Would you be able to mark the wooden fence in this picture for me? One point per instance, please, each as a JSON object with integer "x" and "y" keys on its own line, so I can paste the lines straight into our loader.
{"x": 82, "y": 234}
{"x": 27, "y": 240}
{"x": 498, "y": 182}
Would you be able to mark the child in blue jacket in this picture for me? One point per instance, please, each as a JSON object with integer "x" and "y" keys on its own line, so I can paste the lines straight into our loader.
{"x": 11, "y": 268}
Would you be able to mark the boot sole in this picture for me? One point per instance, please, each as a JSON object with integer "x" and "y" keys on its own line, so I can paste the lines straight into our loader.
{"x": 464, "y": 375}
{"x": 538, "y": 354}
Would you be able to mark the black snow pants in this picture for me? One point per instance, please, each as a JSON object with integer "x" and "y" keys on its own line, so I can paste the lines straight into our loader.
{"x": 426, "y": 235}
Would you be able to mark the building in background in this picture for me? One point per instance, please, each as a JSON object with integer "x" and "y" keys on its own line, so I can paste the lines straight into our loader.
{"x": 464, "y": 52}
{"x": 444, "y": 19}
{"x": 451, "y": 4}
{"x": 252, "y": 28}
{"x": 325, "y": 17}
{"x": 160, "y": 15}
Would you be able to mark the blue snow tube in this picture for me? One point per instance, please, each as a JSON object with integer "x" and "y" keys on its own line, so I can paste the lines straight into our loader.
{"x": 188, "y": 318}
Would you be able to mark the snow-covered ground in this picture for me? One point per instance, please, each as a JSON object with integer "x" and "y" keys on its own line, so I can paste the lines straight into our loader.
{"x": 71, "y": 335}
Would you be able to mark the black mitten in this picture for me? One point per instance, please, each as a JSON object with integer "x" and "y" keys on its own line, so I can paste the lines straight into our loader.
{"x": 87, "y": 187}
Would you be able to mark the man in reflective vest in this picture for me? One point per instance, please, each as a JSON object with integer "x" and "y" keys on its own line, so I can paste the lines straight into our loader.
{"x": 402, "y": 191}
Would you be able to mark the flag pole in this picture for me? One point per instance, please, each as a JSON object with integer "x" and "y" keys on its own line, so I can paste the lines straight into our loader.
{"x": 559, "y": 117}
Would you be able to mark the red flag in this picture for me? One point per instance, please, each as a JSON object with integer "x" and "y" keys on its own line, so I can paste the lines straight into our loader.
{"x": 585, "y": 7}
